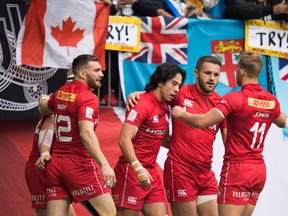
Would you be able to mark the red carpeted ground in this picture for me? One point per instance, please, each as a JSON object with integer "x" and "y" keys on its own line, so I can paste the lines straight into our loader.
{"x": 15, "y": 146}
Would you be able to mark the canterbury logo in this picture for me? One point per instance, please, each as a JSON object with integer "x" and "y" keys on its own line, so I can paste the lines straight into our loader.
{"x": 182, "y": 193}
{"x": 266, "y": 104}
{"x": 188, "y": 103}
{"x": 66, "y": 96}
{"x": 132, "y": 200}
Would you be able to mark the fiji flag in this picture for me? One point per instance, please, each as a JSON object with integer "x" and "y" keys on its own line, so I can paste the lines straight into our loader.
{"x": 182, "y": 41}
{"x": 279, "y": 72}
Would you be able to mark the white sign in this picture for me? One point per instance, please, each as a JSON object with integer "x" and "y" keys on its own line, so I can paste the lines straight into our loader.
{"x": 123, "y": 34}
{"x": 269, "y": 38}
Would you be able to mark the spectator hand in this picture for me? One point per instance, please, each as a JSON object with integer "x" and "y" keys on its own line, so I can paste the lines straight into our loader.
{"x": 120, "y": 5}
{"x": 128, "y": 2}
{"x": 191, "y": 11}
{"x": 177, "y": 111}
{"x": 108, "y": 2}
{"x": 281, "y": 8}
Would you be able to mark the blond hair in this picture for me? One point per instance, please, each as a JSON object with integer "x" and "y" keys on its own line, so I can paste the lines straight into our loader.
{"x": 251, "y": 63}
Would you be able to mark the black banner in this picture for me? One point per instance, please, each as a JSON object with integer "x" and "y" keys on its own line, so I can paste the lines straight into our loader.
{"x": 20, "y": 86}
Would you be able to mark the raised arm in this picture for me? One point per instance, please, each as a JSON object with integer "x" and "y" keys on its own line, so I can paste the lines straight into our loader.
{"x": 198, "y": 120}
{"x": 43, "y": 105}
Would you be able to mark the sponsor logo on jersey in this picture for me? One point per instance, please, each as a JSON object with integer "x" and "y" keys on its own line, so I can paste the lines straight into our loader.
{"x": 87, "y": 191}
{"x": 182, "y": 193}
{"x": 265, "y": 104}
{"x": 38, "y": 198}
{"x": 155, "y": 119}
{"x": 261, "y": 115}
{"x": 255, "y": 195}
{"x": 188, "y": 103}
{"x": 61, "y": 107}
{"x": 213, "y": 127}
{"x": 223, "y": 101}
{"x": 245, "y": 194}
{"x": 66, "y": 96}
{"x": 51, "y": 192}
{"x": 132, "y": 200}
{"x": 89, "y": 112}
{"x": 241, "y": 194}
{"x": 132, "y": 115}
{"x": 155, "y": 132}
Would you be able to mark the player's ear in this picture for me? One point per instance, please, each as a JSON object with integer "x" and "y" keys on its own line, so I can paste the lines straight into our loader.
{"x": 160, "y": 84}
{"x": 82, "y": 73}
{"x": 241, "y": 72}
{"x": 196, "y": 73}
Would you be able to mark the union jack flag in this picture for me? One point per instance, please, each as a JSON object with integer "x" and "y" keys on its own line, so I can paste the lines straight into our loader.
{"x": 163, "y": 39}
{"x": 283, "y": 69}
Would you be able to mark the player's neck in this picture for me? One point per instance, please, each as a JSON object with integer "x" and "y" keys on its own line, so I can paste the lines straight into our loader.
{"x": 249, "y": 81}
{"x": 158, "y": 94}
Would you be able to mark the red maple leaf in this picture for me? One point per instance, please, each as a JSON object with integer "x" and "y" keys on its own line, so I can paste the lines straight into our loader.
{"x": 66, "y": 36}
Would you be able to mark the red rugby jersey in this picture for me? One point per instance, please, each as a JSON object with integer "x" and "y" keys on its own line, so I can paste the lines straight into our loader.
{"x": 190, "y": 146}
{"x": 250, "y": 113}
{"x": 151, "y": 118}
{"x": 71, "y": 103}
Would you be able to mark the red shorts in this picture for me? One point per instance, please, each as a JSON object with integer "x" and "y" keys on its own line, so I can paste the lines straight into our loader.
{"x": 128, "y": 192}
{"x": 73, "y": 178}
{"x": 241, "y": 183}
{"x": 183, "y": 184}
{"x": 35, "y": 179}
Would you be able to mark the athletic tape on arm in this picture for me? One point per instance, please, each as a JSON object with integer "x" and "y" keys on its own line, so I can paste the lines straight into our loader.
{"x": 46, "y": 137}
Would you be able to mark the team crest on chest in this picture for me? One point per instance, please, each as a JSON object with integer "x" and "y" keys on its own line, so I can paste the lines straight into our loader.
{"x": 188, "y": 103}
{"x": 155, "y": 119}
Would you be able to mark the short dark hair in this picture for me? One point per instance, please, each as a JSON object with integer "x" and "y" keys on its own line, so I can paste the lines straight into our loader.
{"x": 81, "y": 61}
{"x": 204, "y": 59}
{"x": 164, "y": 72}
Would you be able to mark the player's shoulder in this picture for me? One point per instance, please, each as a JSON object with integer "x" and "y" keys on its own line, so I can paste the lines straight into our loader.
{"x": 186, "y": 88}
{"x": 185, "y": 91}
{"x": 87, "y": 96}
{"x": 215, "y": 96}
{"x": 269, "y": 94}
{"x": 144, "y": 100}
{"x": 235, "y": 97}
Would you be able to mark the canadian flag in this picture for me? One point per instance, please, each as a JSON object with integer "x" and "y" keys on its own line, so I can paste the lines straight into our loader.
{"x": 55, "y": 32}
